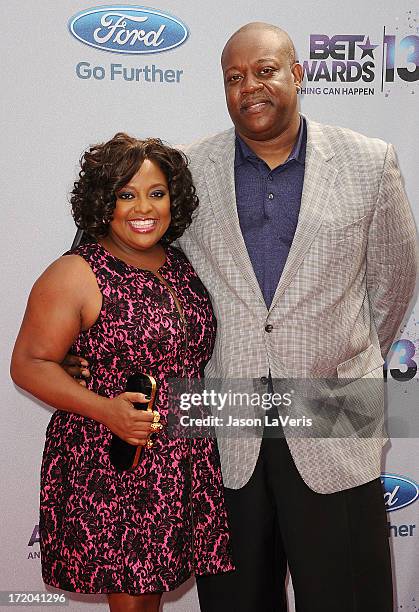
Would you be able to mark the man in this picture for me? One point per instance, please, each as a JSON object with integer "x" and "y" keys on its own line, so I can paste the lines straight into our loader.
{"x": 306, "y": 243}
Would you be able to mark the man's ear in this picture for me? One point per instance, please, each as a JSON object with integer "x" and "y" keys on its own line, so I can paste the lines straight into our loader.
{"x": 297, "y": 72}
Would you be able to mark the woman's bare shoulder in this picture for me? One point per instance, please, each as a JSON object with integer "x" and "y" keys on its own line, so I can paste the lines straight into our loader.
{"x": 69, "y": 272}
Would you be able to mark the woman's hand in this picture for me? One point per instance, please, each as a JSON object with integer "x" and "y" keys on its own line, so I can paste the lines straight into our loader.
{"x": 77, "y": 367}
{"x": 127, "y": 422}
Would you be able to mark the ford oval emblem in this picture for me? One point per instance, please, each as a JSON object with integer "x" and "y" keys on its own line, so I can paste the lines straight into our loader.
{"x": 128, "y": 29}
{"x": 399, "y": 491}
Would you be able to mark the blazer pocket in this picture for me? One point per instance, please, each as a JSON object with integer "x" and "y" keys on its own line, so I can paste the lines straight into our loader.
{"x": 360, "y": 365}
{"x": 341, "y": 233}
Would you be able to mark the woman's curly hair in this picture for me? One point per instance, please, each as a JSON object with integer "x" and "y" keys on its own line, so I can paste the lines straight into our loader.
{"x": 107, "y": 167}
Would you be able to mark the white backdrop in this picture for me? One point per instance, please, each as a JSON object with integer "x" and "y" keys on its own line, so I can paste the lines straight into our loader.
{"x": 50, "y": 115}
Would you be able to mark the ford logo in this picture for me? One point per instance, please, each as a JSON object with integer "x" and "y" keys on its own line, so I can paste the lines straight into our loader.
{"x": 128, "y": 29}
{"x": 399, "y": 492}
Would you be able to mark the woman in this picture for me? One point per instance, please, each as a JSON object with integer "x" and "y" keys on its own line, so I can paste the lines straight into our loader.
{"x": 129, "y": 303}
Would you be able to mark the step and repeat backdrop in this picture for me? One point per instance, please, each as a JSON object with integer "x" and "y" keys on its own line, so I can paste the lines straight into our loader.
{"x": 73, "y": 74}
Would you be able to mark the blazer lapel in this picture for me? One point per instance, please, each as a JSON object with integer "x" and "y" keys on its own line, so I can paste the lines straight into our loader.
{"x": 219, "y": 175}
{"x": 319, "y": 178}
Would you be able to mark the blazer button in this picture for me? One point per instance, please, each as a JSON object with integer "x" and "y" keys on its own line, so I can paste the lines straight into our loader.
{"x": 264, "y": 380}
{"x": 269, "y": 328}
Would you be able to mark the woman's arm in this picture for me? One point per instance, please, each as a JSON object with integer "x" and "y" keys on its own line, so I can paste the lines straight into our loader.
{"x": 64, "y": 301}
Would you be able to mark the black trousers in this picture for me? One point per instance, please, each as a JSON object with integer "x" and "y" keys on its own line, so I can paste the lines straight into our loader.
{"x": 336, "y": 545}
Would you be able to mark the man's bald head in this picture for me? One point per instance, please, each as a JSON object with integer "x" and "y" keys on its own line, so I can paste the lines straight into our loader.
{"x": 261, "y": 80}
{"x": 283, "y": 36}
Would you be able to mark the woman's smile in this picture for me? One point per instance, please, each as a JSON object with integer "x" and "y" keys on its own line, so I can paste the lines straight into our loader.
{"x": 142, "y": 226}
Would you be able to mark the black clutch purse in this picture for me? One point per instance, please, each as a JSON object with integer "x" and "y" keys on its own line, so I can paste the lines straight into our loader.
{"x": 125, "y": 456}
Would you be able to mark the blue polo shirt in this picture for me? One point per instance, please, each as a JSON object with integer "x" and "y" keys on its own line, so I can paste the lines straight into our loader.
{"x": 268, "y": 205}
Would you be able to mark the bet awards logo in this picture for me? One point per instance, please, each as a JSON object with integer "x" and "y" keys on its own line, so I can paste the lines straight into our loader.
{"x": 360, "y": 63}
{"x": 347, "y": 58}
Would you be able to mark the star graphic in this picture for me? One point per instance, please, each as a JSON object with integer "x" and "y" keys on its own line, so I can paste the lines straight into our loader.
{"x": 367, "y": 48}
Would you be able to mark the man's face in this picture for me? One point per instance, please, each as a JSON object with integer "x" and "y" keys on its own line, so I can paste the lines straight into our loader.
{"x": 260, "y": 84}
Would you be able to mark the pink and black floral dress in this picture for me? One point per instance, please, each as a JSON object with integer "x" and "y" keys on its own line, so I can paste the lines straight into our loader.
{"x": 102, "y": 530}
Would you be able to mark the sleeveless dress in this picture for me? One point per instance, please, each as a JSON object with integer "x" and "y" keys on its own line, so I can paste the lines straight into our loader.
{"x": 104, "y": 531}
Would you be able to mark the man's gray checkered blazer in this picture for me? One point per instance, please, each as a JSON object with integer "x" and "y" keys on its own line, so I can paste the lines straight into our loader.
{"x": 344, "y": 291}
